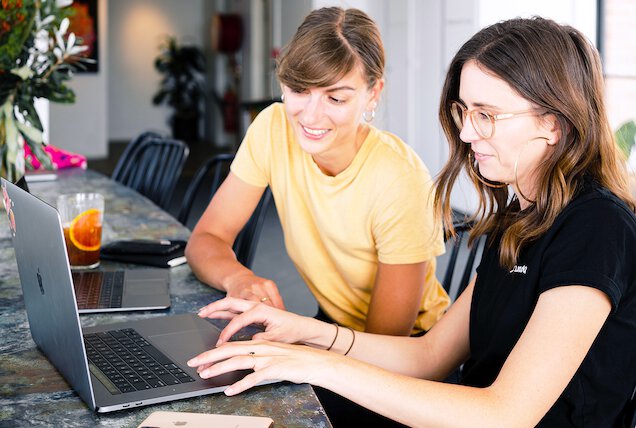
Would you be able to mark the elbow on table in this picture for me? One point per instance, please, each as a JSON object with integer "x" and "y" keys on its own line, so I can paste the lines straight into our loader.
{"x": 189, "y": 249}
{"x": 193, "y": 254}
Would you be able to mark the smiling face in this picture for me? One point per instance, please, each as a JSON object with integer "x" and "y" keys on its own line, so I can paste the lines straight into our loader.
{"x": 326, "y": 120}
{"x": 524, "y": 140}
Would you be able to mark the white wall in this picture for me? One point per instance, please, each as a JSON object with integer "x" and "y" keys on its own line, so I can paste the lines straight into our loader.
{"x": 619, "y": 61}
{"x": 82, "y": 127}
{"x": 581, "y": 14}
{"x": 459, "y": 23}
{"x": 116, "y": 102}
{"x": 278, "y": 22}
{"x": 415, "y": 69}
{"x": 136, "y": 30}
{"x": 287, "y": 15}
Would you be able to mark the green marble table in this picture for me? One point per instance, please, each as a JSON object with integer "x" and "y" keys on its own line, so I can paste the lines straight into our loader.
{"x": 33, "y": 393}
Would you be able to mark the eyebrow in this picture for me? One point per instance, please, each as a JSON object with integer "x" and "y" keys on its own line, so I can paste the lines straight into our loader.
{"x": 481, "y": 105}
{"x": 341, "y": 88}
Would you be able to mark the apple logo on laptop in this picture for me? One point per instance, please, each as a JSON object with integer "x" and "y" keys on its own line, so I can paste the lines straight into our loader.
{"x": 40, "y": 282}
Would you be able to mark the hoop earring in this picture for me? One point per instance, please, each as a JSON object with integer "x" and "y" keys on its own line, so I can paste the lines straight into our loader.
{"x": 367, "y": 118}
{"x": 516, "y": 167}
{"x": 475, "y": 173}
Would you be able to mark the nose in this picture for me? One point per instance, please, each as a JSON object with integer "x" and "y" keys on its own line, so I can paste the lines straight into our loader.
{"x": 312, "y": 113}
{"x": 468, "y": 134}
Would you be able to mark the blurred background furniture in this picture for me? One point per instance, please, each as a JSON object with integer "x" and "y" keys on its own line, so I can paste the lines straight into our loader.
{"x": 152, "y": 165}
{"x": 217, "y": 167}
{"x": 461, "y": 257}
{"x": 124, "y": 162}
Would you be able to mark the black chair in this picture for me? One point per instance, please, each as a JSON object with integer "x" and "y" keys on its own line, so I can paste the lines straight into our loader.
{"x": 630, "y": 413}
{"x": 460, "y": 250}
{"x": 218, "y": 166}
{"x": 462, "y": 230}
{"x": 152, "y": 166}
{"x": 125, "y": 161}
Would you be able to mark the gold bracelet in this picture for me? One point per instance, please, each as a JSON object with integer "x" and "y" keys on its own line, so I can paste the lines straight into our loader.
{"x": 352, "y": 340}
{"x": 334, "y": 339}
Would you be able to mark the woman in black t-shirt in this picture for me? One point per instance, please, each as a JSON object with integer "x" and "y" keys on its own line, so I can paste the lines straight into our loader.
{"x": 546, "y": 332}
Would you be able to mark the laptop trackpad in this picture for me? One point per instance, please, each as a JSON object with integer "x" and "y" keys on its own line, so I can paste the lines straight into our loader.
{"x": 144, "y": 282}
{"x": 143, "y": 289}
{"x": 182, "y": 346}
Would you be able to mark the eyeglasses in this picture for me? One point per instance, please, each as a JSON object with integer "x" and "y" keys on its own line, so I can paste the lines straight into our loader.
{"x": 483, "y": 122}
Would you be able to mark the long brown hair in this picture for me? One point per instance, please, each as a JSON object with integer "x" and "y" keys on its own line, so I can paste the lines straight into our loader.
{"x": 328, "y": 44}
{"x": 558, "y": 70}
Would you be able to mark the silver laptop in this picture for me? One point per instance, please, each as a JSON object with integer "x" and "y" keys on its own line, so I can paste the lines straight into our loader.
{"x": 114, "y": 366}
{"x": 117, "y": 290}
{"x": 121, "y": 290}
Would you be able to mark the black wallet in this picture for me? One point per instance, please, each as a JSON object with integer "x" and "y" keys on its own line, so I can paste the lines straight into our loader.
{"x": 159, "y": 253}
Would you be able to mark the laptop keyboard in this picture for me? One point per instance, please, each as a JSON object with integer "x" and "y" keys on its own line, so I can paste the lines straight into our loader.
{"x": 125, "y": 362}
{"x": 99, "y": 290}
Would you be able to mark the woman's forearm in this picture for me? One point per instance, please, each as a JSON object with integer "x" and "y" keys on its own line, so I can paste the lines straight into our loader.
{"x": 414, "y": 402}
{"x": 213, "y": 261}
{"x": 432, "y": 356}
{"x": 398, "y": 354}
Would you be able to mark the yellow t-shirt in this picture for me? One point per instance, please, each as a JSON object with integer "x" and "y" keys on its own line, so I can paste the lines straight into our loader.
{"x": 337, "y": 229}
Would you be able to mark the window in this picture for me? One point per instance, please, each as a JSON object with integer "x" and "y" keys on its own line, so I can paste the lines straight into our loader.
{"x": 618, "y": 50}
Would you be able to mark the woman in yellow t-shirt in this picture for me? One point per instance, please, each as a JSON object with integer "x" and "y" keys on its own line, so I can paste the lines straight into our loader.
{"x": 354, "y": 202}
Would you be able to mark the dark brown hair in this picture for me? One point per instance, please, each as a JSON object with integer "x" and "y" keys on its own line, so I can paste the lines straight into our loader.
{"x": 558, "y": 70}
{"x": 328, "y": 44}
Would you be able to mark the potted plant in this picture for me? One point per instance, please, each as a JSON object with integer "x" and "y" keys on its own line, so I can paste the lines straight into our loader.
{"x": 37, "y": 57}
{"x": 182, "y": 87}
{"x": 626, "y": 139}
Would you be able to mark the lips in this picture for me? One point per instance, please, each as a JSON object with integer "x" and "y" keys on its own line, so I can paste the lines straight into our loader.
{"x": 481, "y": 156}
{"x": 314, "y": 133}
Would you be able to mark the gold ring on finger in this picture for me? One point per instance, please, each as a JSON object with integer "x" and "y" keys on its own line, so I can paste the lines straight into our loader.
{"x": 253, "y": 355}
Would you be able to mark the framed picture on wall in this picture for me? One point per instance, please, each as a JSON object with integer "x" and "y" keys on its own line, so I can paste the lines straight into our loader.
{"x": 84, "y": 23}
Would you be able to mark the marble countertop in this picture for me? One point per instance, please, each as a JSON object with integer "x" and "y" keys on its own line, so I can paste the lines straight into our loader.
{"x": 33, "y": 393}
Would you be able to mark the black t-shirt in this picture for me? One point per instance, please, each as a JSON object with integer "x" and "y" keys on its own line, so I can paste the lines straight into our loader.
{"x": 592, "y": 243}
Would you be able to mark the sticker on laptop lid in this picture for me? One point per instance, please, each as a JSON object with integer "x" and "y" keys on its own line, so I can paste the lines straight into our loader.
{"x": 8, "y": 206}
